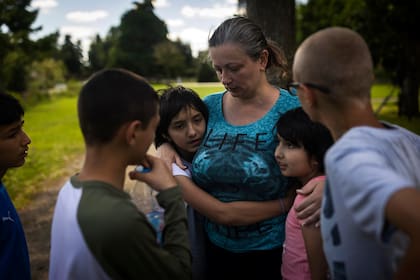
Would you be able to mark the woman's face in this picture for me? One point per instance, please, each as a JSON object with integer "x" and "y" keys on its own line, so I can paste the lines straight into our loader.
{"x": 239, "y": 73}
{"x": 186, "y": 131}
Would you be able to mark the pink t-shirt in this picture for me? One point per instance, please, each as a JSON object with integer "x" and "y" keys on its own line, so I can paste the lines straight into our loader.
{"x": 295, "y": 260}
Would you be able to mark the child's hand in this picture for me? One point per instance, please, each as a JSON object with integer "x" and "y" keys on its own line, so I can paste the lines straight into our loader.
{"x": 159, "y": 177}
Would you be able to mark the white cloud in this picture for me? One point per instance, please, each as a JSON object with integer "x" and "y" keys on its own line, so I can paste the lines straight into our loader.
{"x": 217, "y": 11}
{"x": 77, "y": 31}
{"x": 44, "y": 5}
{"x": 161, "y": 4}
{"x": 197, "y": 38}
{"x": 175, "y": 22}
{"x": 86, "y": 16}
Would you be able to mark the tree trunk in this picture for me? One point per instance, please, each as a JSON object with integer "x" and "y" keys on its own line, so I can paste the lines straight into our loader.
{"x": 408, "y": 99}
{"x": 408, "y": 103}
{"x": 277, "y": 20}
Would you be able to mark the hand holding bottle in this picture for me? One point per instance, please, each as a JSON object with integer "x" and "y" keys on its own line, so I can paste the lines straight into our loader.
{"x": 159, "y": 177}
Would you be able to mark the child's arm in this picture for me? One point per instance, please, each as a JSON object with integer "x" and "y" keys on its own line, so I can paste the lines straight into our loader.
{"x": 231, "y": 213}
{"x": 316, "y": 258}
{"x": 402, "y": 210}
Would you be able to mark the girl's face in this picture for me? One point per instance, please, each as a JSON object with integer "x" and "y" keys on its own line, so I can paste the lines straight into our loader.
{"x": 294, "y": 161}
{"x": 186, "y": 131}
{"x": 240, "y": 74}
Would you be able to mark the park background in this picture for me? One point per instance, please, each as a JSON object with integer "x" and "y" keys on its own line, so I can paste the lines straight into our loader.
{"x": 47, "y": 75}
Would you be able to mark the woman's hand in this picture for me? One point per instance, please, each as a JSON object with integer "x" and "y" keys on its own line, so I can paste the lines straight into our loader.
{"x": 168, "y": 154}
{"x": 309, "y": 209}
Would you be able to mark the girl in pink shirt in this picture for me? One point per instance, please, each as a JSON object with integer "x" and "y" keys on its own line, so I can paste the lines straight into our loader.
{"x": 300, "y": 154}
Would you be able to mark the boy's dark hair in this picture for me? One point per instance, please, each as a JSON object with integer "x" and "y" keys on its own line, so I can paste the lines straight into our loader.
{"x": 10, "y": 109}
{"x": 296, "y": 127}
{"x": 173, "y": 100}
{"x": 111, "y": 98}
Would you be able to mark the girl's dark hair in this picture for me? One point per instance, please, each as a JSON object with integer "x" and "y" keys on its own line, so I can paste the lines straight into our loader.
{"x": 296, "y": 127}
{"x": 172, "y": 101}
{"x": 10, "y": 109}
{"x": 244, "y": 32}
{"x": 111, "y": 98}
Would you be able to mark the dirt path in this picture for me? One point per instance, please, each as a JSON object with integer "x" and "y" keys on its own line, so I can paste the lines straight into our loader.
{"x": 36, "y": 218}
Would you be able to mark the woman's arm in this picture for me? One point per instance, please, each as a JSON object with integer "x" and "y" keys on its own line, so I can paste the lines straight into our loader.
{"x": 231, "y": 213}
{"x": 168, "y": 154}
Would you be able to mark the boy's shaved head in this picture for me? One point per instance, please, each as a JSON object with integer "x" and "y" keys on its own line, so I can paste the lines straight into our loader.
{"x": 336, "y": 57}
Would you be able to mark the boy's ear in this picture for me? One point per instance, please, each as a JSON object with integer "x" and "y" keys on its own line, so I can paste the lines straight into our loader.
{"x": 308, "y": 96}
{"x": 132, "y": 130}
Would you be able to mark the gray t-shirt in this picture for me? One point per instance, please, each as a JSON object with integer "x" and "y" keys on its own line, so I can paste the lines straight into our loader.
{"x": 365, "y": 167}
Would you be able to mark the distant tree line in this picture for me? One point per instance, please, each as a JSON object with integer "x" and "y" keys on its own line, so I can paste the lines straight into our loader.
{"x": 140, "y": 43}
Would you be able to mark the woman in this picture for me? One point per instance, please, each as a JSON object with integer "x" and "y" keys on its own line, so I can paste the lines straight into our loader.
{"x": 235, "y": 161}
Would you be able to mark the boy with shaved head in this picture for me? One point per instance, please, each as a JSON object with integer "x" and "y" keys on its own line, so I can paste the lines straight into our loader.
{"x": 370, "y": 217}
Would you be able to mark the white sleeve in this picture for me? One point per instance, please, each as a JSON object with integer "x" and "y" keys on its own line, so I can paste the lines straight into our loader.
{"x": 177, "y": 171}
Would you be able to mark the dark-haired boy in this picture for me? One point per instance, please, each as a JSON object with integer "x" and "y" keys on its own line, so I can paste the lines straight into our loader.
{"x": 14, "y": 256}
{"x": 97, "y": 232}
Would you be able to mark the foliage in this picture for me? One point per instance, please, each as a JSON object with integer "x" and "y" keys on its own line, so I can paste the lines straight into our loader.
{"x": 140, "y": 44}
{"x": 387, "y": 27}
{"x": 71, "y": 54}
{"x": 16, "y": 19}
{"x": 139, "y": 32}
{"x": 205, "y": 72}
{"x": 169, "y": 59}
{"x": 46, "y": 47}
{"x": 44, "y": 75}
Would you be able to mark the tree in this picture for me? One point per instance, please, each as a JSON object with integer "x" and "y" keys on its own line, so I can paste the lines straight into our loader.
{"x": 139, "y": 32}
{"x": 169, "y": 58}
{"x": 97, "y": 54}
{"x": 16, "y": 20}
{"x": 277, "y": 20}
{"x": 71, "y": 54}
{"x": 205, "y": 71}
{"x": 387, "y": 27}
{"x": 46, "y": 47}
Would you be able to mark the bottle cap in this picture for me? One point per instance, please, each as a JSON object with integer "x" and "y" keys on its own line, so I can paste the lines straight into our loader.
{"x": 142, "y": 169}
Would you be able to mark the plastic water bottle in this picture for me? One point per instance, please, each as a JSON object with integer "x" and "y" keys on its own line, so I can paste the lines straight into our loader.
{"x": 144, "y": 198}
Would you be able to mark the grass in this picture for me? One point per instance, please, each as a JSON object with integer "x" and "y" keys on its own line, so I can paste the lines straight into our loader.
{"x": 57, "y": 141}
{"x": 389, "y": 112}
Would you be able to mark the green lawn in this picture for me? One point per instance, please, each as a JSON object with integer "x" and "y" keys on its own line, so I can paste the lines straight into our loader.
{"x": 57, "y": 141}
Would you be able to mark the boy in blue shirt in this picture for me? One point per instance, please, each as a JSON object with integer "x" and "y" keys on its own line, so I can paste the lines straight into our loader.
{"x": 14, "y": 256}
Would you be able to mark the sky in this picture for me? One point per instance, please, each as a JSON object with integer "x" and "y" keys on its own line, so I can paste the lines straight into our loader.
{"x": 191, "y": 21}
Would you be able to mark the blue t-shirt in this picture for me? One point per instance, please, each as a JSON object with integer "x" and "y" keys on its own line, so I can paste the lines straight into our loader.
{"x": 237, "y": 163}
{"x": 14, "y": 256}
